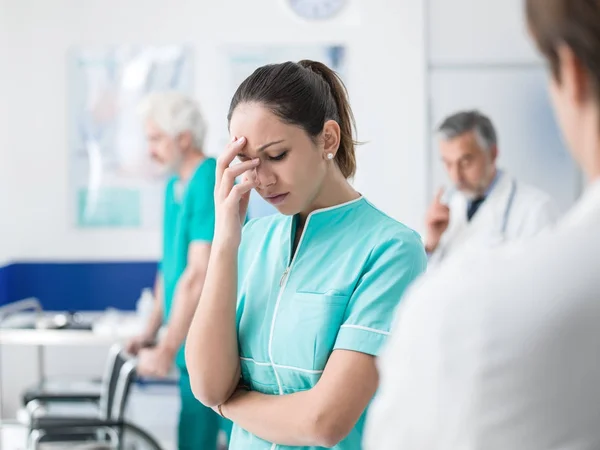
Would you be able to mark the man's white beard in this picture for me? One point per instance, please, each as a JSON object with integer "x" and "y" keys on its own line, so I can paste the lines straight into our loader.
{"x": 484, "y": 186}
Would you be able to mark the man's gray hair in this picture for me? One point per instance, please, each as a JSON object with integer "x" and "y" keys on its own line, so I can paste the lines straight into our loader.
{"x": 175, "y": 113}
{"x": 466, "y": 121}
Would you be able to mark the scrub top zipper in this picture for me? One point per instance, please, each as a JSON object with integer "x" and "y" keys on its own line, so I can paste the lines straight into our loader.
{"x": 293, "y": 238}
{"x": 284, "y": 276}
{"x": 282, "y": 284}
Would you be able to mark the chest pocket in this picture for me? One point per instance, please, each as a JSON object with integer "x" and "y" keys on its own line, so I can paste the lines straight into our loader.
{"x": 311, "y": 328}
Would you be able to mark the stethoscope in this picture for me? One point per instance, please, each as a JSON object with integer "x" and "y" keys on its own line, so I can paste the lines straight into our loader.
{"x": 508, "y": 208}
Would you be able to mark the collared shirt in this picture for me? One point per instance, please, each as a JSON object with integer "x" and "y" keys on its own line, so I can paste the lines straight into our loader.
{"x": 485, "y": 194}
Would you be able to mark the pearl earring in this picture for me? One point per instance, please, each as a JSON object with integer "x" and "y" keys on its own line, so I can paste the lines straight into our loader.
{"x": 329, "y": 155}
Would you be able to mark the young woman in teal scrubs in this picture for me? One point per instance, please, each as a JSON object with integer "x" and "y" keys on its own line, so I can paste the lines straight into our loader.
{"x": 296, "y": 306}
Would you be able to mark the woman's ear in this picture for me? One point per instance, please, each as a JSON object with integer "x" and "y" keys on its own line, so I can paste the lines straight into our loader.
{"x": 331, "y": 137}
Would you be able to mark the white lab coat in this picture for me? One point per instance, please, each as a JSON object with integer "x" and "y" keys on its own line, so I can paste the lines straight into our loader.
{"x": 513, "y": 210}
{"x": 499, "y": 350}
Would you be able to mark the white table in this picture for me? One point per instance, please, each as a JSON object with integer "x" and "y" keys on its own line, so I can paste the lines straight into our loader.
{"x": 55, "y": 337}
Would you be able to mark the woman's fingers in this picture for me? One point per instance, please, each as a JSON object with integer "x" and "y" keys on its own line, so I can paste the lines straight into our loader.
{"x": 239, "y": 190}
{"x": 243, "y": 207}
{"x": 227, "y": 157}
{"x": 231, "y": 173}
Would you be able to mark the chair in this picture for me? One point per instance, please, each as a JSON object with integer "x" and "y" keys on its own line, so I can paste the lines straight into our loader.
{"x": 107, "y": 425}
{"x": 50, "y": 392}
{"x": 70, "y": 391}
{"x": 87, "y": 390}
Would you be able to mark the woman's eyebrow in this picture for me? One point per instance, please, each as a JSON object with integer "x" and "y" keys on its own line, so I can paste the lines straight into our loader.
{"x": 264, "y": 147}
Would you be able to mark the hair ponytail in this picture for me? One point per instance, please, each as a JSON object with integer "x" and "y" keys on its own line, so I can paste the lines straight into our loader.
{"x": 345, "y": 156}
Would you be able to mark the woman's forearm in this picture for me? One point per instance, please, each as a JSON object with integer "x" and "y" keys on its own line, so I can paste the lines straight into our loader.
{"x": 321, "y": 416}
{"x": 294, "y": 419}
{"x": 211, "y": 354}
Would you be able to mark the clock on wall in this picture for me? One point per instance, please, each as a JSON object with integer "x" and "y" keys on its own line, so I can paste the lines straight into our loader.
{"x": 317, "y": 9}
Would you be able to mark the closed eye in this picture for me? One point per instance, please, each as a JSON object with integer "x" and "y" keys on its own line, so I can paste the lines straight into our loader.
{"x": 279, "y": 157}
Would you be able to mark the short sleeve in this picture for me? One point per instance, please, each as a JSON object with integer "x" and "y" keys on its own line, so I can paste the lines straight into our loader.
{"x": 390, "y": 270}
{"x": 202, "y": 207}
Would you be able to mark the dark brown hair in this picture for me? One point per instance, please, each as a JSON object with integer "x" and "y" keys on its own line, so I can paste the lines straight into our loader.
{"x": 305, "y": 94}
{"x": 575, "y": 23}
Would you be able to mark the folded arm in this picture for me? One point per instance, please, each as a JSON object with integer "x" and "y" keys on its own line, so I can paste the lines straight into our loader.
{"x": 321, "y": 416}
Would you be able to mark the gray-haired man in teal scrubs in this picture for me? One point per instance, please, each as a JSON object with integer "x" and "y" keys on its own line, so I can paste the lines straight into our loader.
{"x": 175, "y": 130}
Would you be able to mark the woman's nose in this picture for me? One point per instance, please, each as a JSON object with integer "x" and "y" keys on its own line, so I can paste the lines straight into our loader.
{"x": 264, "y": 176}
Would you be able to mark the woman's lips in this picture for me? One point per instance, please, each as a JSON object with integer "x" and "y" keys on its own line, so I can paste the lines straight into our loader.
{"x": 276, "y": 199}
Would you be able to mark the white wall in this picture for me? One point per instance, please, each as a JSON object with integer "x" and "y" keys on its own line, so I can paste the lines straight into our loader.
{"x": 5, "y": 171}
{"x": 479, "y": 32}
{"x": 386, "y": 82}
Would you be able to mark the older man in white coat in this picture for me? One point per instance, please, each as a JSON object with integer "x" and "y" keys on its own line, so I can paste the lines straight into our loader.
{"x": 485, "y": 206}
{"x": 500, "y": 350}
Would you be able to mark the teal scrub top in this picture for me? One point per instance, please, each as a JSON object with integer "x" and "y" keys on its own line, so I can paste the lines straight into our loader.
{"x": 340, "y": 290}
{"x": 189, "y": 216}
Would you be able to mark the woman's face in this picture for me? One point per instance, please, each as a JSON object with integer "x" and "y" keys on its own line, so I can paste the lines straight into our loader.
{"x": 292, "y": 167}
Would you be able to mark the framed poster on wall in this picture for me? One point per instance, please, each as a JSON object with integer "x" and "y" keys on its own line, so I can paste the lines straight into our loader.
{"x": 113, "y": 183}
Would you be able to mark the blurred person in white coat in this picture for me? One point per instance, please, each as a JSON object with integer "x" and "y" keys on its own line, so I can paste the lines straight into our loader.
{"x": 500, "y": 349}
{"x": 486, "y": 205}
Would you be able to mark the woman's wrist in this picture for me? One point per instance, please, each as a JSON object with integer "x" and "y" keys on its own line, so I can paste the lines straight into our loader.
{"x": 225, "y": 243}
{"x": 223, "y": 409}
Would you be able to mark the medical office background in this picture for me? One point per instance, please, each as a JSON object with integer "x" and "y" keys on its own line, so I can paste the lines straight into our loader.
{"x": 408, "y": 63}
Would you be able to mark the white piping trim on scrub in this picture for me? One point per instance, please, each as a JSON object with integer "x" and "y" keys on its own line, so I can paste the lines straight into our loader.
{"x": 298, "y": 369}
{"x": 330, "y": 208}
{"x": 372, "y": 330}
{"x": 279, "y": 366}
{"x": 271, "y": 336}
{"x": 255, "y": 362}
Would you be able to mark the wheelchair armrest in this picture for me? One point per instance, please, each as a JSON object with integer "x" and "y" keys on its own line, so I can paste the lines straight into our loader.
{"x": 61, "y": 397}
{"x": 64, "y": 390}
{"x": 58, "y": 423}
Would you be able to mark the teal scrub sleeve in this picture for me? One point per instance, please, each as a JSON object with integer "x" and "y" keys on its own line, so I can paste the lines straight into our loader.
{"x": 391, "y": 268}
{"x": 202, "y": 218}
